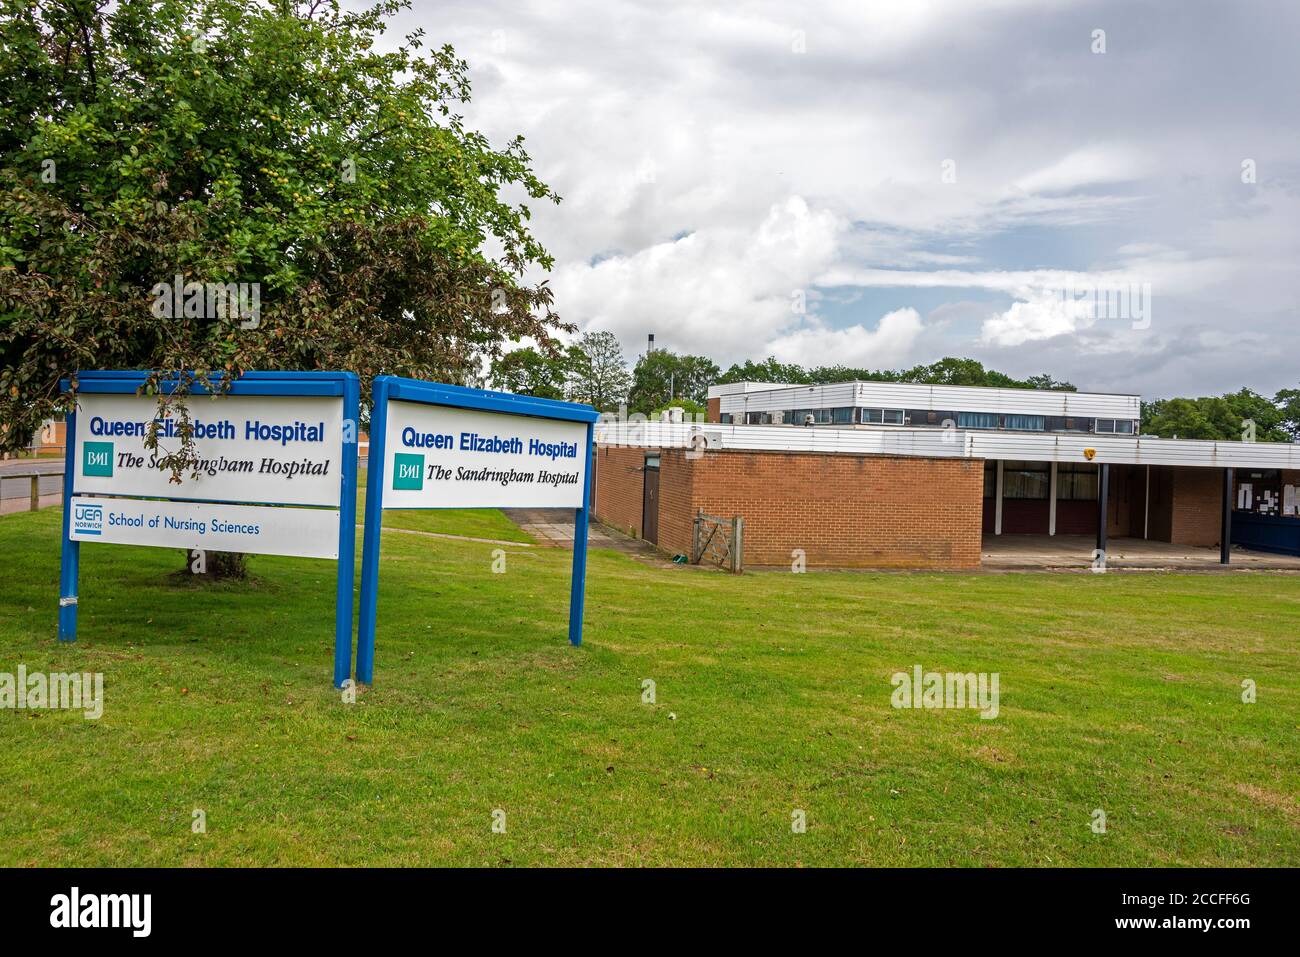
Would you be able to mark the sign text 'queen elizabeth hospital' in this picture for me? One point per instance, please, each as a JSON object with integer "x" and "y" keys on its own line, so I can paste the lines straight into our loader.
{"x": 275, "y": 475}
{"x": 444, "y": 446}
{"x": 445, "y": 457}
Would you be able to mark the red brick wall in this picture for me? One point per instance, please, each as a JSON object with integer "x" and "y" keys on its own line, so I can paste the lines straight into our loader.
{"x": 870, "y": 511}
{"x": 619, "y": 486}
{"x": 713, "y": 410}
{"x": 1197, "y": 513}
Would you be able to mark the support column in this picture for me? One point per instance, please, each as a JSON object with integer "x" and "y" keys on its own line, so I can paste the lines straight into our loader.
{"x": 1225, "y": 534}
{"x": 1103, "y": 495}
{"x": 997, "y": 507}
{"x": 1051, "y": 498}
{"x": 1146, "y": 509}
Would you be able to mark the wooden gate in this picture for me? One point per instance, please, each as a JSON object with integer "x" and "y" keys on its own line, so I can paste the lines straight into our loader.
{"x": 720, "y": 540}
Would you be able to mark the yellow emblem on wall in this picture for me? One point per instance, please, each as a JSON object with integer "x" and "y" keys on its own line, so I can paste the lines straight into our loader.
{"x": 1089, "y": 453}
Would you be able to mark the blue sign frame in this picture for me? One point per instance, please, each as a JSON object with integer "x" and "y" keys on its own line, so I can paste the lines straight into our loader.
{"x": 297, "y": 384}
{"x": 432, "y": 393}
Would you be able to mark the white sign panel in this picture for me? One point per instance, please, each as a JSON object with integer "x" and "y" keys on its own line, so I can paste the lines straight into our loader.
{"x": 269, "y": 449}
{"x": 255, "y": 529}
{"x": 442, "y": 457}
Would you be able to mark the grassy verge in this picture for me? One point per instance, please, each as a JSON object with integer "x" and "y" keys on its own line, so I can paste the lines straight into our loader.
{"x": 1118, "y": 692}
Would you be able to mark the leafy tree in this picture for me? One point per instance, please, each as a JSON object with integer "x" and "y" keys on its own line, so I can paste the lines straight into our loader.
{"x": 662, "y": 376}
{"x": 600, "y": 376}
{"x": 237, "y": 141}
{"x": 769, "y": 370}
{"x": 243, "y": 142}
{"x": 1223, "y": 418}
{"x": 947, "y": 371}
{"x": 527, "y": 371}
{"x": 1288, "y": 403}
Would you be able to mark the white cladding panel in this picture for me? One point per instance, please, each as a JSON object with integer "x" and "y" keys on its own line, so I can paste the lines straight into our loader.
{"x": 732, "y": 388}
{"x": 951, "y": 398}
{"x": 834, "y": 396}
{"x": 961, "y": 443}
{"x": 957, "y": 398}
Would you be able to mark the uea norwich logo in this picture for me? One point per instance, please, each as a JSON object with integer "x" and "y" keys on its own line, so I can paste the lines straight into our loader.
{"x": 88, "y": 519}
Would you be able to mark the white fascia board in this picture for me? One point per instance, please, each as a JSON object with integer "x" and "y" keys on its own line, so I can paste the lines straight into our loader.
{"x": 736, "y": 388}
{"x": 758, "y": 397}
{"x": 959, "y": 443}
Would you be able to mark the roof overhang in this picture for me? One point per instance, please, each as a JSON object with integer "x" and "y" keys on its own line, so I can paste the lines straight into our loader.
{"x": 954, "y": 443}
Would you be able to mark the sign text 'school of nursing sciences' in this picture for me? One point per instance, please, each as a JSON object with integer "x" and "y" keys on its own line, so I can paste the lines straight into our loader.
{"x": 251, "y": 449}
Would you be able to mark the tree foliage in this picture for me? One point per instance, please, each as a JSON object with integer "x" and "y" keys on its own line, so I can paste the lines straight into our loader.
{"x": 236, "y": 141}
{"x": 529, "y": 371}
{"x": 600, "y": 377}
{"x": 661, "y": 376}
{"x": 947, "y": 371}
{"x": 1230, "y": 417}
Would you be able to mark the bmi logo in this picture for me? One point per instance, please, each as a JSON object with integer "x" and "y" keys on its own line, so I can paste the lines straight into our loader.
{"x": 408, "y": 472}
{"x": 88, "y": 519}
{"x": 97, "y": 459}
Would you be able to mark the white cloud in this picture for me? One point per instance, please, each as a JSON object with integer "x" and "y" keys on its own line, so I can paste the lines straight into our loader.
{"x": 710, "y": 170}
{"x": 1092, "y": 165}
{"x": 891, "y": 343}
{"x": 725, "y": 291}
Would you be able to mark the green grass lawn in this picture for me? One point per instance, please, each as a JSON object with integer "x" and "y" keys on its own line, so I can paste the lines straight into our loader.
{"x": 1120, "y": 692}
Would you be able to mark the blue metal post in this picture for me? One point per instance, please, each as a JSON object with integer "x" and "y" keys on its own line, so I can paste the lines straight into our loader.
{"x": 345, "y": 571}
{"x": 70, "y": 555}
{"x": 577, "y": 587}
{"x": 375, "y": 461}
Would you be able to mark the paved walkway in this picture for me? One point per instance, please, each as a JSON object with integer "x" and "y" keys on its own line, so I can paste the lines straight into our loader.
{"x": 554, "y": 527}
{"x": 1075, "y": 551}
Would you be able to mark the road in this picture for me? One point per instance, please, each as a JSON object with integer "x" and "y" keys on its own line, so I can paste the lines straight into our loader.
{"x": 51, "y": 482}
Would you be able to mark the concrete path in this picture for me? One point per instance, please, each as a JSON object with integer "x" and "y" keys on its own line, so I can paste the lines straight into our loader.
{"x": 1023, "y": 552}
{"x": 554, "y": 527}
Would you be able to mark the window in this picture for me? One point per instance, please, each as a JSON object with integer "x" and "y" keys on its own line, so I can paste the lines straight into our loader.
{"x": 977, "y": 420}
{"x": 725, "y": 418}
{"x": 882, "y": 416}
{"x": 1029, "y": 480}
{"x": 819, "y": 416}
{"x": 842, "y": 416}
{"x": 1068, "y": 423}
{"x": 753, "y": 418}
{"x": 1025, "y": 423}
{"x": 1076, "y": 482}
{"x": 1115, "y": 426}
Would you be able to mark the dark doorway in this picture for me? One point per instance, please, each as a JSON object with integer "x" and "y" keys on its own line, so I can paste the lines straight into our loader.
{"x": 650, "y": 501}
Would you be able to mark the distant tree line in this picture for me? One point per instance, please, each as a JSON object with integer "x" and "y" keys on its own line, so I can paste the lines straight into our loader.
{"x": 1234, "y": 416}
{"x": 593, "y": 370}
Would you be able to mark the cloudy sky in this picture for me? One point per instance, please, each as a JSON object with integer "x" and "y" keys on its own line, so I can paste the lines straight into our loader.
{"x": 885, "y": 182}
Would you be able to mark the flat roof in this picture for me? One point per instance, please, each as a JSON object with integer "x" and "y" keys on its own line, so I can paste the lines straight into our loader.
{"x": 956, "y": 443}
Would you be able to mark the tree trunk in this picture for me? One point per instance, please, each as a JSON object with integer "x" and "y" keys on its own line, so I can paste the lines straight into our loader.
{"x": 216, "y": 565}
